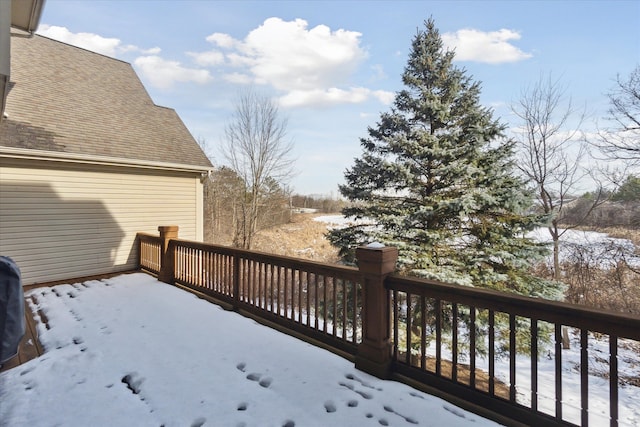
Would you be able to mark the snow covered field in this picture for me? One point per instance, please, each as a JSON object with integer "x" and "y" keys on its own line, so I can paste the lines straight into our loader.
{"x": 594, "y": 246}
{"x": 132, "y": 351}
{"x": 597, "y": 246}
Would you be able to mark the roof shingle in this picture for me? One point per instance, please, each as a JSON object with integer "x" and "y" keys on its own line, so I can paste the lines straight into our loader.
{"x": 66, "y": 99}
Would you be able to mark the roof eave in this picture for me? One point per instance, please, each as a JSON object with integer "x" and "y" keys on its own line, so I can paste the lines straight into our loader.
{"x": 25, "y": 14}
{"x": 27, "y": 153}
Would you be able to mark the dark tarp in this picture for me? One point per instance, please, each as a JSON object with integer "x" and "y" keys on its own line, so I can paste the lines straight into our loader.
{"x": 12, "y": 321}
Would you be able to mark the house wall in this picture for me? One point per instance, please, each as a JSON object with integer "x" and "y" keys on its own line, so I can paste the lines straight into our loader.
{"x": 65, "y": 220}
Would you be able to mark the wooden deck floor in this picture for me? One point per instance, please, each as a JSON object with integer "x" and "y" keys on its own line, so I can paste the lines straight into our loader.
{"x": 30, "y": 347}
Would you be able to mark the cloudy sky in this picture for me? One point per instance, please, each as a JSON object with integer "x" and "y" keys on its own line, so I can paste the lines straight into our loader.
{"x": 334, "y": 66}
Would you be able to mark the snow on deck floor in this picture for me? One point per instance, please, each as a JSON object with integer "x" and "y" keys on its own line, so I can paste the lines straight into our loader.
{"x": 134, "y": 351}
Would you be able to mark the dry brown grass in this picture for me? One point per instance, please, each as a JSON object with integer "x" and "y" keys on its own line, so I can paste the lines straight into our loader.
{"x": 463, "y": 374}
{"x": 622, "y": 233}
{"x": 302, "y": 238}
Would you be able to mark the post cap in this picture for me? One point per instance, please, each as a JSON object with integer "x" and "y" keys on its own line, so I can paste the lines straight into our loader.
{"x": 170, "y": 231}
{"x": 378, "y": 259}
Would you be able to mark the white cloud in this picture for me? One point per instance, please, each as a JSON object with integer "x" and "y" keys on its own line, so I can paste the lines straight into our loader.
{"x": 157, "y": 71}
{"x": 384, "y": 96}
{"x": 331, "y": 96}
{"x": 109, "y": 46}
{"x": 162, "y": 73}
{"x": 312, "y": 66}
{"x": 238, "y": 78}
{"x": 378, "y": 72}
{"x": 222, "y": 40}
{"x": 89, "y": 41}
{"x": 209, "y": 58}
{"x": 492, "y": 47}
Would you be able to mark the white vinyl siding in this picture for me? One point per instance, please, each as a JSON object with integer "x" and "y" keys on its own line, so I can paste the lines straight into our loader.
{"x": 65, "y": 220}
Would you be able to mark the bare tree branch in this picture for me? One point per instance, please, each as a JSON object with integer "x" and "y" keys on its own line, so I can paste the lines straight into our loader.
{"x": 553, "y": 147}
{"x": 621, "y": 141}
{"x": 256, "y": 148}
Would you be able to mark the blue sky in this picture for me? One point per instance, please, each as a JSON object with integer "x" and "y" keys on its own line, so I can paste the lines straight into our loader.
{"x": 334, "y": 66}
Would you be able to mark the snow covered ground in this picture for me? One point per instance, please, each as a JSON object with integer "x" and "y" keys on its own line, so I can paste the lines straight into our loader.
{"x": 132, "y": 351}
{"x": 591, "y": 246}
{"x": 596, "y": 247}
{"x": 338, "y": 221}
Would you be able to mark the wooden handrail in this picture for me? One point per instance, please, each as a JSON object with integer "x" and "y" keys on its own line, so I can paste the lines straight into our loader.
{"x": 603, "y": 321}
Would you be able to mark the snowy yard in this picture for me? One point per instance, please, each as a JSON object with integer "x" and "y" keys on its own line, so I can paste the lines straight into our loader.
{"x": 134, "y": 351}
{"x": 600, "y": 246}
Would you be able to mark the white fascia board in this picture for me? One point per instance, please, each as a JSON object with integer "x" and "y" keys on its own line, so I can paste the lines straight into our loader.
{"x": 25, "y": 153}
{"x": 25, "y": 14}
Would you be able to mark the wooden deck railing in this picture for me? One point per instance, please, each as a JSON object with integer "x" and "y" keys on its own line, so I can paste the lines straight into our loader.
{"x": 150, "y": 252}
{"x": 435, "y": 325}
{"x": 482, "y": 346}
{"x": 319, "y": 300}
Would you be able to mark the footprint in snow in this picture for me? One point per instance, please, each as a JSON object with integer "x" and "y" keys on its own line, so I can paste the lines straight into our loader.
{"x": 241, "y": 366}
{"x": 349, "y": 386}
{"x": 454, "y": 411}
{"x": 362, "y": 393}
{"x": 407, "y": 419}
{"x": 254, "y": 376}
{"x": 133, "y": 382}
{"x": 329, "y": 406}
{"x": 199, "y": 422}
{"x": 75, "y": 315}
{"x": 363, "y": 383}
{"x": 26, "y": 371}
{"x": 264, "y": 382}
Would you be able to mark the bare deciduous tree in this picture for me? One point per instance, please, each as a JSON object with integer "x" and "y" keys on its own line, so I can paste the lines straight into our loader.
{"x": 222, "y": 197}
{"x": 553, "y": 147}
{"x": 258, "y": 151}
{"x": 621, "y": 140}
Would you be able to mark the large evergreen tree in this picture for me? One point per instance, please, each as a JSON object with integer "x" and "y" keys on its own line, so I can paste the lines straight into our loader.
{"x": 435, "y": 180}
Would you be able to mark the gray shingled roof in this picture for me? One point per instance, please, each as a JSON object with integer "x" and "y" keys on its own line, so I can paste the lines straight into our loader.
{"x": 66, "y": 99}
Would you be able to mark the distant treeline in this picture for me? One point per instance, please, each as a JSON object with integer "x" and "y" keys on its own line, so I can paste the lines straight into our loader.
{"x": 322, "y": 204}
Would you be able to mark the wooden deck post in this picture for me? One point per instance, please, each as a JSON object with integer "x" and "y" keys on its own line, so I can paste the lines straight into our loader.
{"x": 374, "y": 353}
{"x": 167, "y": 259}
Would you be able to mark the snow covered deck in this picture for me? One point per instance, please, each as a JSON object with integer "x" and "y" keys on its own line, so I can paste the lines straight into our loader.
{"x": 131, "y": 350}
